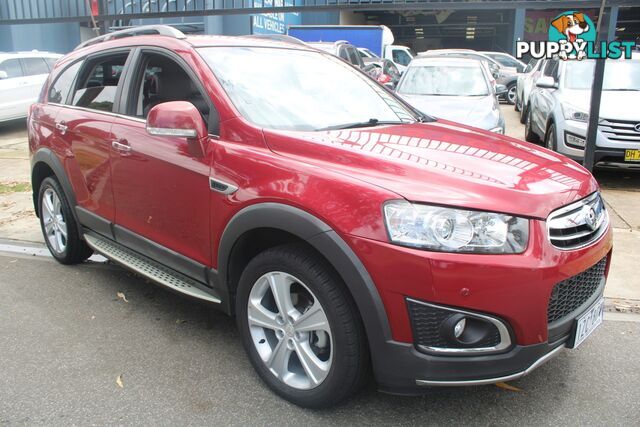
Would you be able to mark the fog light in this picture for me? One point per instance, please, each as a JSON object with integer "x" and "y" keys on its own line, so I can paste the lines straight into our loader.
{"x": 574, "y": 140}
{"x": 459, "y": 328}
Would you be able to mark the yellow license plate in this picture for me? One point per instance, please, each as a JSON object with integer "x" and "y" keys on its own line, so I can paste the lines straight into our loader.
{"x": 632, "y": 155}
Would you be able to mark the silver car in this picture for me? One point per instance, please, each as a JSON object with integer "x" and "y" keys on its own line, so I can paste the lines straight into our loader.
{"x": 525, "y": 84}
{"x": 455, "y": 89}
{"x": 559, "y": 111}
{"x": 504, "y": 75}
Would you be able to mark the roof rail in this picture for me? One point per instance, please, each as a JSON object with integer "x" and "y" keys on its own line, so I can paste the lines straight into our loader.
{"x": 276, "y": 37}
{"x": 162, "y": 30}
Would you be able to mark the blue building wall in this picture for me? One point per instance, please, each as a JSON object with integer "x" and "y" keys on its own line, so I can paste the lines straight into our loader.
{"x": 63, "y": 37}
{"x": 60, "y": 38}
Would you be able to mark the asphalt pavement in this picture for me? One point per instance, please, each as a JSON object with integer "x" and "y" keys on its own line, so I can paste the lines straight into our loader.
{"x": 67, "y": 337}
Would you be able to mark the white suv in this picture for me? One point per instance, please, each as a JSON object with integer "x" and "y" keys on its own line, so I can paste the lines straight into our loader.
{"x": 22, "y": 75}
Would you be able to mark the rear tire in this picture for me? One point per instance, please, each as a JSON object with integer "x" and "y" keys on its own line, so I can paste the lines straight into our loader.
{"x": 529, "y": 134}
{"x": 59, "y": 227}
{"x": 319, "y": 367}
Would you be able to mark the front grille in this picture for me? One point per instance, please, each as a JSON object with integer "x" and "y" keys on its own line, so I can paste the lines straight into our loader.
{"x": 620, "y": 130}
{"x": 570, "y": 294}
{"x": 427, "y": 320}
{"x": 578, "y": 224}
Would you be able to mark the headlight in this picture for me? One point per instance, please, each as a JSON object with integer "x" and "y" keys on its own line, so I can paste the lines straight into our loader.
{"x": 498, "y": 129}
{"x": 573, "y": 113}
{"x": 455, "y": 230}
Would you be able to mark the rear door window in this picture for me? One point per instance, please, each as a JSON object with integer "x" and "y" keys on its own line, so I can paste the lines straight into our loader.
{"x": 59, "y": 91}
{"x": 12, "y": 67}
{"x": 551, "y": 69}
{"x": 342, "y": 53}
{"x": 51, "y": 62}
{"x": 97, "y": 84}
{"x": 34, "y": 66}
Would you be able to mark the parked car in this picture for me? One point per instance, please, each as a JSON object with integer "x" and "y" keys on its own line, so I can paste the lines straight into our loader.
{"x": 383, "y": 71}
{"x": 456, "y": 89}
{"x": 506, "y": 60}
{"x": 506, "y": 76}
{"x": 342, "y": 49}
{"x": 559, "y": 111}
{"x": 525, "y": 84}
{"x": 345, "y": 231}
{"x": 22, "y": 75}
{"x": 375, "y": 39}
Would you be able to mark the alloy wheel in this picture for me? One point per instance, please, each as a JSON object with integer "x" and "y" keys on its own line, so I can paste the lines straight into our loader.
{"x": 290, "y": 330}
{"x": 511, "y": 95}
{"x": 55, "y": 226}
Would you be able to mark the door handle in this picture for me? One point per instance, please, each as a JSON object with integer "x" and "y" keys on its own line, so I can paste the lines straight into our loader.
{"x": 62, "y": 127}
{"x": 121, "y": 146}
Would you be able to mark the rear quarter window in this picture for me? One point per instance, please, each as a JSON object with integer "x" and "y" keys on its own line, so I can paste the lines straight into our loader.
{"x": 59, "y": 90}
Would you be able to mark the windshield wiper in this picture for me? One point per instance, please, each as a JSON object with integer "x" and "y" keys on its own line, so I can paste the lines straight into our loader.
{"x": 369, "y": 123}
{"x": 624, "y": 90}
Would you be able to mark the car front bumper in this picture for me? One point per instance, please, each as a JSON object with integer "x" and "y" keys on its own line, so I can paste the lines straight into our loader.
{"x": 513, "y": 288}
{"x": 608, "y": 152}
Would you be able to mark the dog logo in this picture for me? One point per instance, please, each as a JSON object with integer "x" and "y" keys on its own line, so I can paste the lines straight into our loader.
{"x": 575, "y": 29}
{"x": 572, "y": 35}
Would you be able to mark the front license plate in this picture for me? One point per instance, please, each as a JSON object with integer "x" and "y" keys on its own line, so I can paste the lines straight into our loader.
{"x": 588, "y": 322}
{"x": 632, "y": 155}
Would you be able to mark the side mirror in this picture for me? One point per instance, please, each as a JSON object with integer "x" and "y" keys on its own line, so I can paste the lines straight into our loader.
{"x": 546, "y": 82}
{"x": 3, "y": 75}
{"x": 176, "y": 119}
{"x": 501, "y": 89}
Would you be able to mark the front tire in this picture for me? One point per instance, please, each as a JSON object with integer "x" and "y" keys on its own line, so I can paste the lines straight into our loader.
{"x": 529, "y": 134}
{"x": 523, "y": 113}
{"x": 58, "y": 224}
{"x": 511, "y": 94}
{"x": 300, "y": 327}
{"x": 550, "y": 139}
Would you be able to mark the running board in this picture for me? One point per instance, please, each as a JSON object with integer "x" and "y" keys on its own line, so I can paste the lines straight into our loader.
{"x": 148, "y": 268}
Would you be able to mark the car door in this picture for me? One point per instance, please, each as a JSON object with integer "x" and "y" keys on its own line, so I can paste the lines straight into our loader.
{"x": 161, "y": 183}
{"x": 544, "y": 99}
{"x": 36, "y": 71}
{"x": 84, "y": 123}
{"x": 13, "y": 101}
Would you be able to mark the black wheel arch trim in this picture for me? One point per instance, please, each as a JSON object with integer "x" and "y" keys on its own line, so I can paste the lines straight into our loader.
{"x": 49, "y": 158}
{"x": 328, "y": 243}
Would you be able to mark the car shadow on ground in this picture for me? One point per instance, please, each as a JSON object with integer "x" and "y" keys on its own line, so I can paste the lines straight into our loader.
{"x": 619, "y": 179}
{"x": 552, "y": 388}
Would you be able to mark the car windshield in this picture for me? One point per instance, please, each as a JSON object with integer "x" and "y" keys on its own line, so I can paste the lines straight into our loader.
{"x": 448, "y": 80}
{"x": 619, "y": 75}
{"x": 291, "y": 89}
{"x": 503, "y": 60}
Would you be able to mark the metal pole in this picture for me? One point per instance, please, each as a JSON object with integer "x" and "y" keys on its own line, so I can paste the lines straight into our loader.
{"x": 596, "y": 90}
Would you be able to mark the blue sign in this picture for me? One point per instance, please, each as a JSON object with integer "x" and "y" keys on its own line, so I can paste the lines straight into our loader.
{"x": 273, "y": 23}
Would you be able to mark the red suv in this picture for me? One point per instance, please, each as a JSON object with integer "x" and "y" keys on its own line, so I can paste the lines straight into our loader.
{"x": 345, "y": 231}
